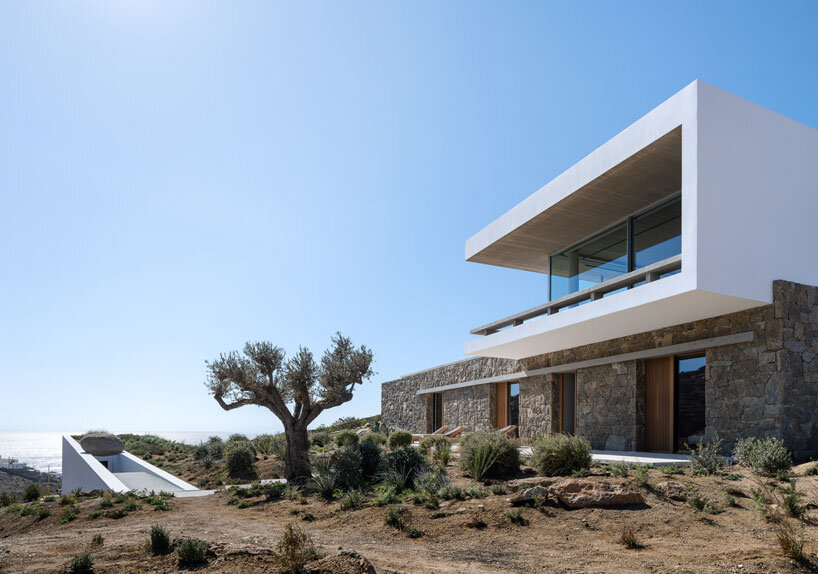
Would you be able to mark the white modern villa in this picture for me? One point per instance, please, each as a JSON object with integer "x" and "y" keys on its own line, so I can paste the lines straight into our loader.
{"x": 679, "y": 262}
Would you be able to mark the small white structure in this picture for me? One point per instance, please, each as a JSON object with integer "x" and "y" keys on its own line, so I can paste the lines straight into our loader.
{"x": 121, "y": 472}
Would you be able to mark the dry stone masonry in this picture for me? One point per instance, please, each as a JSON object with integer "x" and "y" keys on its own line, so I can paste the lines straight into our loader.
{"x": 766, "y": 387}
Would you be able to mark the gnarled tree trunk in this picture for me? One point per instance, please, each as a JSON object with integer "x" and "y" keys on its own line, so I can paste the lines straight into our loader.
{"x": 296, "y": 455}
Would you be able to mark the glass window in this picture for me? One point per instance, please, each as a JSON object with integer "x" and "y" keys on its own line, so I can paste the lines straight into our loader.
{"x": 599, "y": 259}
{"x": 690, "y": 401}
{"x": 657, "y": 234}
{"x": 514, "y": 404}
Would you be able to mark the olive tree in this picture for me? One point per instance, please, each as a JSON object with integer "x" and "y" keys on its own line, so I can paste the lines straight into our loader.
{"x": 296, "y": 390}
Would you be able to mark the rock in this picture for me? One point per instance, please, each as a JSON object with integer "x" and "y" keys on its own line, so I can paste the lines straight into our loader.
{"x": 524, "y": 483}
{"x": 575, "y": 493}
{"x": 344, "y": 562}
{"x": 673, "y": 490}
{"x": 101, "y": 444}
{"x": 531, "y": 495}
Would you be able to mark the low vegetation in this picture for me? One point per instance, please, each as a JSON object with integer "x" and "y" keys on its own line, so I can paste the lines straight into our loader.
{"x": 489, "y": 455}
{"x": 765, "y": 456}
{"x": 160, "y": 540}
{"x": 82, "y": 563}
{"x": 399, "y": 439}
{"x": 191, "y": 552}
{"x": 560, "y": 454}
{"x": 295, "y": 549}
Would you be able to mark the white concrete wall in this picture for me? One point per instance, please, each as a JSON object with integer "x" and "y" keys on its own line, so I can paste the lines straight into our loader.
{"x": 83, "y": 470}
{"x": 757, "y": 197}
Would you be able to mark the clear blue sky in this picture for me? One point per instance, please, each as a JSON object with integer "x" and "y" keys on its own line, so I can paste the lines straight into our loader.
{"x": 179, "y": 177}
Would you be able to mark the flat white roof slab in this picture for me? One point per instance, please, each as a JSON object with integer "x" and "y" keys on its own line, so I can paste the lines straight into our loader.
{"x": 145, "y": 481}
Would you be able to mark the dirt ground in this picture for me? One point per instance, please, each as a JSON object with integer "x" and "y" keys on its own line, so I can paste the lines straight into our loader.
{"x": 674, "y": 536}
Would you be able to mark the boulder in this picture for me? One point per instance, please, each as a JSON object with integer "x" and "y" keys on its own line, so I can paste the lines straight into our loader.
{"x": 344, "y": 562}
{"x": 101, "y": 444}
{"x": 577, "y": 493}
{"x": 525, "y": 483}
{"x": 673, "y": 490}
{"x": 531, "y": 495}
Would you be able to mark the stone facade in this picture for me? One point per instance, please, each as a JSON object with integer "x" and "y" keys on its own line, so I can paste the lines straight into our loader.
{"x": 767, "y": 387}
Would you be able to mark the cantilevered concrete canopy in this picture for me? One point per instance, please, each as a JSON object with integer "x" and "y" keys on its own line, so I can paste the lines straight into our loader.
{"x": 557, "y": 215}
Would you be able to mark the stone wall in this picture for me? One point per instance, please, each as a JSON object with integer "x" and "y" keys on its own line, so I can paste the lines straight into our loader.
{"x": 472, "y": 407}
{"x": 768, "y": 387}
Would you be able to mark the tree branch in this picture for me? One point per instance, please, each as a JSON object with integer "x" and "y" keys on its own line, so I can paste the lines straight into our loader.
{"x": 231, "y": 406}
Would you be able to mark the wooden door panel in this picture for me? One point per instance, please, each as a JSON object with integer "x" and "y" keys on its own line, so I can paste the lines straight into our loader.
{"x": 502, "y": 405}
{"x": 659, "y": 404}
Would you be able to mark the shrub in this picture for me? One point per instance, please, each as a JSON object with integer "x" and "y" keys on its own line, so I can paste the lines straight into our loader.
{"x": 765, "y": 456}
{"x": 641, "y": 475}
{"x": 308, "y": 517}
{"x": 398, "y": 439}
{"x": 116, "y": 514}
{"x": 202, "y": 452}
{"x": 131, "y": 505}
{"x": 431, "y": 480}
{"x": 433, "y": 446}
{"x": 106, "y": 502}
{"x": 275, "y": 444}
{"x": 237, "y": 437}
{"x": 216, "y": 450}
{"x": 320, "y": 438}
{"x": 5, "y": 499}
{"x": 67, "y": 499}
{"x": 671, "y": 469}
{"x": 620, "y": 469}
{"x": 733, "y": 476}
{"x": 32, "y": 493}
{"x": 37, "y": 510}
{"x": 97, "y": 540}
{"x": 394, "y": 517}
{"x": 82, "y": 563}
{"x": 69, "y": 513}
{"x": 191, "y": 552}
{"x": 477, "y": 492}
{"x": 706, "y": 459}
{"x": 414, "y": 532}
{"x": 437, "y": 514}
{"x": 516, "y": 517}
{"x": 376, "y": 438}
{"x": 452, "y": 493}
{"x": 400, "y": 467}
{"x": 628, "y": 538}
{"x": 485, "y": 454}
{"x": 791, "y": 502}
{"x": 347, "y": 466}
{"x": 560, "y": 454}
{"x": 160, "y": 540}
{"x": 346, "y": 438}
{"x": 811, "y": 471}
{"x": 498, "y": 489}
{"x": 370, "y": 459}
{"x": 325, "y": 480}
{"x": 791, "y": 546}
{"x": 351, "y": 500}
{"x": 386, "y": 495}
{"x": 240, "y": 461}
{"x": 244, "y": 504}
{"x": 94, "y": 514}
{"x": 294, "y": 549}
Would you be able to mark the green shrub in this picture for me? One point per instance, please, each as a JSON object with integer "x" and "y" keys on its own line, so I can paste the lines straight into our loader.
{"x": 67, "y": 499}
{"x": 320, "y": 438}
{"x": 216, "y": 450}
{"x": 69, "y": 513}
{"x": 347, "y": 466}
{"x": 477, "y": 492}
{"x": 237, "y": 437}
{"x": 414, "y": 532}
{"x": 376, "y": 438}
{"x": 399, "y": 439}
{"x": 94, "y": 514}
{"x": 811, "y": 471}
{"x": 452, "y": 492}
{"x": 82, "y": 563}
{"x": 394, "y": 517}
{"x": 370, "y": 459}
{"x": 765, "y": 456}
{"x": 352, "y": 499}
{"x": 400, "y": 467}
{"x": 106, "y": 502}
{"x": 516, "y": 517}
{"x": 437, "y": 448}
{"x": 498, "y": 489}
{"x": 437, "y": 514}
{"x": 386, "y": 495}
{"x": 32, "y": 493}
{"x": 560, "y": 454}
{"x": 160, "y": 540}
{"x": 706, "y": 459}
{"x": 346, "y": 438}
{"x": 274, "y": 444}
{"x": 620, "y": 469}
{"x": 5, "y": 499}
{"x": 240, "y": 461}
{"x": 325, "y": 480}
{"x": 641, "y": 475}
{"x": 671, "y": 469}
{"x": 488, "y": 454}
{"x": 307, "y": 517}
{"x": 131, "y": 505}
{"x": 431, "y": 480}
{"x": 191, "y": 552}
{"x": 244, "y": 504}
{"x": 628, "y": 538}
{"x": 295, "y": 549}
{"x": 116, "y": 513}
{"x": 37, "y": 510}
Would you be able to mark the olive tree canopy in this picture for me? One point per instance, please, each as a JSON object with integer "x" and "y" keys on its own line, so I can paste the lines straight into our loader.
{"x": 296, "y": 390}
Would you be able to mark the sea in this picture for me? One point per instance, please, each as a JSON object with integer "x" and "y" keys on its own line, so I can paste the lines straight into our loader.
{"x": 43, "y": 450}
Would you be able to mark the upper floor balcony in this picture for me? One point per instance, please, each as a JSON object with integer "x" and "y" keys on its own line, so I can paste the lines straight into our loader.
{"x": 690, "y": 212}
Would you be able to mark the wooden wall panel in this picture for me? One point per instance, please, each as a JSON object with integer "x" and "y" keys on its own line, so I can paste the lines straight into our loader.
{"x": 502, "y": 405}
{"x": 659, "y": 404}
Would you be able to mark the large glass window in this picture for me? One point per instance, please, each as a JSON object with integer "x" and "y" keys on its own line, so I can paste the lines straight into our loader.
{"x": 655, "y": 235}
{"x": 690, "y": 401}
{"x": 514, "y": 404}
{"x": 600, "y": 258}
